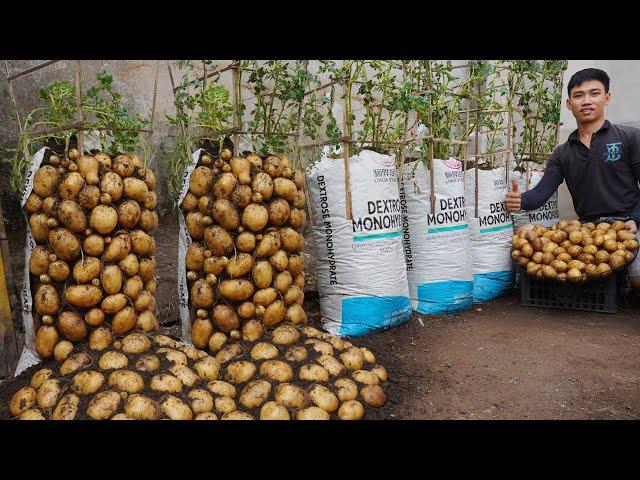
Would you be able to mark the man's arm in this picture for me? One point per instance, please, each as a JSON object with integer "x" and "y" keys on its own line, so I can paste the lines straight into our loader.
{"x": 634, "y": 160}
{"x": 537, "y": 196}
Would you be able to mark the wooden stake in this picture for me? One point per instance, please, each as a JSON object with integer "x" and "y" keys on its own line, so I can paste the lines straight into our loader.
{"x": 79, "y": 111}
{"x": 153, "y": 113}
{"x": 236, "y": 98}
{"x": 346, "y": 112}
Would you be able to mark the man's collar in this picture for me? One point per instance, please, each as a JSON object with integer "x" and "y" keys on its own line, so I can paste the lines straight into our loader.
{"x": 575, "y": 137}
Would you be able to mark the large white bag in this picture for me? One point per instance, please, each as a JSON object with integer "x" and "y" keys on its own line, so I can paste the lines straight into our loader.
{"x": 491, "y": 234}
{"x": 437, "y": 247}
{"x": 362, "y": 280}
{"x": 547, "y": 214}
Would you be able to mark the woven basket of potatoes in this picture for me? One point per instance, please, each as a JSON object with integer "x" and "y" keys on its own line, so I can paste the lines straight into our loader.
{"x": 573, "y": 251}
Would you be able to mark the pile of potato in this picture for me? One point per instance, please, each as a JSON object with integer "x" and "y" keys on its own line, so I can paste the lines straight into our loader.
{"x": 289, "y": 373}
{"x": 573, "y": 251}
{"x": 244, "y": 264}
{"x": 93, "y": 269}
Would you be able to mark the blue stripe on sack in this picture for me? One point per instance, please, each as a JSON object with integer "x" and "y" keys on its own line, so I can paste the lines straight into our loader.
{"x": 496, "y": 229}
{"x": 375, "y": 236}
{"x": 447, "y": 229}
{"x": 450, "y": 296}
{"x": 363, "y": 315}
{"x": 487, "y": 286}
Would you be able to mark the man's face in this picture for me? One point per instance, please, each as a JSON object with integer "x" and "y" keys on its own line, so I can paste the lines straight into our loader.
{"x": 587, "y": 101}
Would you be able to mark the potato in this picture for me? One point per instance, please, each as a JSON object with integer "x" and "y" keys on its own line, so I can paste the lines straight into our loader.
{"x": 118, "y": 249}
{"x": 239, "y": 265}
{"x": 104, "y": 219}
{"x": 187, "y": 376}
{"x": 39, "y": 261}
{"x": 46, "y": 340}
{"x": 274, "y": 314}
{"x": 224, "y": 389}
{"x": 314, "y": 373}
{"x": 294, "y": 295}
{"x": 39, "y": 227}
{"x": 135, "y": 189}
{"x": 103, "y": 405}
{"x": 225, "y": 318}
{"x": 296, "y": 314}
{"x": 276, "y": 370}
{"x": 297, "y": 218}
{"x": 312, "y": 413}
{"x": 147, "y": 269}
{"x": 86, "y": 269}
{"x": 225, "y": 185}
{"x": 236, "y": 290}
{"x": 351, "y": 410}
{"x": 89, "y": 197}
{"x": 113, "y": 303}
{"x": 93, "y": 245}
{"x": 72, "y": 216}
{"x": 129, "y": 213}
{"x": 132, "y": 286}
{"x": 246, "y": 310}
{"x": 33, "y": 204}
{"x": 262, "y": 183}
{"x": 124, "y": 320}
{"x": 269, "y": 245}
{"x": 331, "y": 364}
{"x": 340, "y": 345}
{"x": 630, "y": 244}
{"x": 45, "y": 181}
{"x": 46, "y": 300}
{"x": 48, "y": 393}
{"x": 586, "y": 258}
{"x": 324, "y": 398}
{"x": 200, "y": 181}
{"x": 201, "y": 330}
{"x": 527, "y": 251}
{"x": 285, "y": 189}
{"x": 208, "y": 368}
{"x": 148, "y": 363}
{"x": 39, "y": 377}
{"x": 241, "y": 168}
{"x": 346, "y": 388}
{"x": 274, "y": 411}
{"x": 100, "y": 338}
{"x": 72, "y": 326}
{"x": 112, "y": 361}
{"x": 87, "y": 382}
{"x": 124, "y": 166}
{"x": 216, "y": 341}
{"x": 225, "y": 214}
{"x": 22, "y": 400}
{"x": 64, "y": 244}
{"x": 255, "y": 393}
{"x": 136, "y": 343}
{"x": 218, "y": 241}
{"x": 373, "y": 395}
{"x": 353, "y": 359}
{"x": 262, "y": 274}
{"x": 194, "y": 260}
{"x": 291, "y": 240}
{"x": 240, "y": 371}
{"x": 263, "y": 351}
{"x": 192, "y": 352}
{"x": 201, "y": 401}
{"x": 241, "y": 196}
{"x": 549, "y": 272}
{"x": 290, "y": 396}
{"x": 616, "y": 261}
{"x": 166, "y": 383}
{"x": 32, "y": 414}
{"x": 279, "y": 212}
{"x": 70, "y": 187}
{"x": 296, "y": 354}
{"x": 285, "y": 335}
{"x": 151, "y": 286}
{"x": 255, "y": 217}
{"x": 604, "y": 270}
{"x": 280, "y": 261}
{"x": 140, "y": 407}
{"x": 195, "y": 225}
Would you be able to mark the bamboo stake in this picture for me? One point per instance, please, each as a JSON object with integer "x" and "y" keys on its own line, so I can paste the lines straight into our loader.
{"x": 347, "y": 146}
{"x": 432, "y": 184}
{"x": 153, "y": 113}
{"x": 79, "y": 112}
{"x": 236, "y": 97}
{"x": 476, "y": 150}
{"x": 30, "y": 70}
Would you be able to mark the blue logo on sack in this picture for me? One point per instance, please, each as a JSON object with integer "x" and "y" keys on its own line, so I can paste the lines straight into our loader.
{"x": 613, "y": 152}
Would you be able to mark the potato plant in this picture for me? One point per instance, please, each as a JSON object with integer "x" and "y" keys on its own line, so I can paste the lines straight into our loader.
{"x": 244, "y": 264}
{"x": 93, "y": 268}
{"x": 288, "y": 373}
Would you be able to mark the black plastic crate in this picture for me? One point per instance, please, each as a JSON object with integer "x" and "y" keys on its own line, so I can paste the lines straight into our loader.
{"x": 599, "y": 295}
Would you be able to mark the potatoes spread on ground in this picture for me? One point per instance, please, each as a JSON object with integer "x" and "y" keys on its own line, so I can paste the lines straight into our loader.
{"x": 93, "y": 264}
{"x": 573, "y": 251}
{"x": 151, "y": 377}
{"x": 244, "y": 264}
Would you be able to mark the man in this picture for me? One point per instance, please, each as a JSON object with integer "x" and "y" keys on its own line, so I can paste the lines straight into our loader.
{"x": 600, "y": 163}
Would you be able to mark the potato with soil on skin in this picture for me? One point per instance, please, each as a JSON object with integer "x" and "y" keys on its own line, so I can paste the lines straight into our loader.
{"x": 255, "y": 393}
{"x": 166, "y": 383}
{"x": 201, "y": 294}
{"x": 182, "y": 372}
{"x": 72, "y": 326}
{"x": 201, "y": 401}
{"x": 255, "y": 217}
{"x": 67, "y": 408}
{"x": 280, "y": 261}
{"x": 269, "y": 245}
{"x": 274, "y": 411}
{"x": 71, "y": 186}
{"x": 174, "y": 356}
{"x": 366, "y": 377}
{"x": 194, "y": 260}
{"x": 22, "y": 400}
{"x": 252, "y": 330}
{"x": 86, "y": 269}
{"x": 111, "y": 279}
{"x": 72, "y": 216}
{"x": 208, "y": 369}
{"x": 279, "y": 212}
{"x": 33, "y": 204}
{"x": 262, "y": 183}
{"x": 296, "y": 354}
{"x": 223, "y": 389}
{"x": 275, "y": 313}
{"x": 285, "y": 189}
{"x": 83, "y": 296}
{"x": 148, "y": 363}
{"x": 240, "y": 371}
{"x": 312, "y": 413}
{"x": 373, "y": 395}
{"x": 46, "y": 300}
{"x": 276, "y": 370}
{"x": 241, "y": 196}
{"x": 314, "y": 373}
{"x": 46, "y": 339}
{"x": 290, "y": 239}
{"x": 103, "y": 405}
{"x": 64, "y": 244}
{"x": 296, "y": 314}
{"x": 217, "y": 341}
{"x": 136, "y": 343}
{"x": 100, "y": 338}
{"x": 140, "y": 407}
{"x": 225, "y": 318}
{"x": 331, "y": 364}
{"x": 39, "y": 377}
{"x": 346, "y": 389}
{"x": 196, "y": 225}
{"x": 297, "y": 218}
{"x": 263, "y": 351}
{"x": 39, "y": 261}
{"x": 87, "y": 382}
{"x": 147, "y": 269}
{"x": 351, "y": 410}
{"x": 291, "y": 396}
{"x": 118, "y": 249}
{"x": 225, "y": 185}
{"x": 262, "y": 274}
{"x": 113, "y": 361}
{"x": 353, "y": 359}
{"x": 324, "y": 398}
{"x": 49, "y": 393}
{"x": 239, "y": 265}
{"x": 201, "y": 330}
{"x": 89, "y": 197}
{"x": 39, "y": 227}
{"x": 218, "y": 241}
{"x": 237, "y": 290}
{"x": 225, "y": 214}
{"x": 45, "y": 181}
{"x": 246, "y": 242}
{"x": 113, "y": 303}
{"x": 93, "y": 245}
{"x": 246, "y": 310}
{"x": 124, "y": 320}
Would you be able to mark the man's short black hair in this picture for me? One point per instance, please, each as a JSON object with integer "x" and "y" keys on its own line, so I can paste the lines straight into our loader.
{"x": 587, "y": 74}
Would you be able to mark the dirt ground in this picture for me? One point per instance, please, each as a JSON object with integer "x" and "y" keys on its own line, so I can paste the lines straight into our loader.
{"x": 504, "y": 361}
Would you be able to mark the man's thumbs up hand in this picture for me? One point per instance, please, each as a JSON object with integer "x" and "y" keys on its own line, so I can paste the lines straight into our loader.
{"x": 512, "y": 200}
